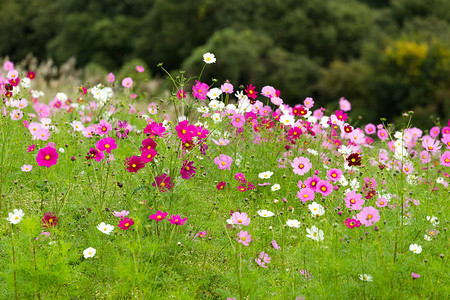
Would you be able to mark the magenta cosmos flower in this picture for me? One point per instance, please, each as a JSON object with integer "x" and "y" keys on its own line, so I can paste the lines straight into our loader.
{"x": 244, "y": 238}
{"x": 368, "y": 216}
{"x": 125, "y": 223}
{"x": 223, "y": 162}
{"x": 134, "y": 164}
{"x": 240, "y": 219}
{"x": 352, "y": 223}
{"x": 47, "y": 157}
{"x": 106, "y": 144}
{"x": 148, "y": 155}
{"x": 186, "y": 131}
{"x": 95, "y": 154}
{"x": 187, "y": 170}
{"x": 50, "y": 219}
{"x": 354, "y": 200}
{"x": 301, "y": 165}
{"x": 159, "y": 216}
{"x": 163, "y": 182}
{"x": 177, "y": 220}
{"x": 200, "y": 90}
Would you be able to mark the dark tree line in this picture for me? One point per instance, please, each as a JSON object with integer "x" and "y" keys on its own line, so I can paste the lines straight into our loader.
{"x": 386, "y": 56}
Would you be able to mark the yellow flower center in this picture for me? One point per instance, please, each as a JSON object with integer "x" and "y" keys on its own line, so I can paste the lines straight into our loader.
{"x": 133, "y": 165}
{"x": 107, "y": 146}
{"x": 127, "y": 224}
{"x": 47, "y": 157}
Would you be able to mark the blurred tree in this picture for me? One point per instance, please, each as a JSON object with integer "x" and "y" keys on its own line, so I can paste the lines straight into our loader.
{"x": 26, "y": 26}
{"x": 250, "y": 56}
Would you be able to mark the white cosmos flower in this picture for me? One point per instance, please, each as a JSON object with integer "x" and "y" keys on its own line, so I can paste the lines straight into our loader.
{"x": 217, "y": 118}
{"x": 314, "y": 233}
{"x": 265, "y": 213}
{"x": 293, "y": 223}
{"x": 77, "y": 126}
{"x": 105, "y": 228}
{"x": 415, "y": 248}
{"x": 365, "y": 277}
{"x": 214, "y": 93}
{"x": 265, "y": 175}
{"x": 89, "y": 252}
{"x": 287, "y": 119}
{"x": 316, "y": 209}
{"x": 427, "y": 237}
{"x": 209, "y": 58}
{"x": 16, "y": 216}
{"x": 275, "y": 187}
{"x": 434, "y": 220}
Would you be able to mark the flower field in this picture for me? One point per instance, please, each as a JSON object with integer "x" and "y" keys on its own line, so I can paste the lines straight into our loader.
{"x": 217, "y": 191}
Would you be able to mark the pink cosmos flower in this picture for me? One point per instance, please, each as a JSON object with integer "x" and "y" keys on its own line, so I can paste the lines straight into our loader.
{"x": 370, "y": 128}
{"x": 344, "y": 104}
{"x": 354, "y": 200}
{"x": 103, "y": 127}
{"x": 308, "y": 102}
{"x": 111, "y": 77}
{"x": 221, "y": 142}
{"x": 223, "y": 162}
{"x": 306, "y": 194}
{"x": 408, "y": 168}
{"x": 446, "y": 140}
{"x": 334, "y": 174}
{"x": 244, "y": 238}
{"x": 431, "y": 145}
{"x": 238, "y": 120}
{"x": 227, "y": 88}
{"x": 324, "y": 187}
{"x": 16, "y": 114}
{"x": 8, "y": 65}
{"x": 263, "y": 259}
{"x": 125, "y": 223}
{"x": 240, "y": 219}
{"x": 159, "y": 216}
{"x": 268, "y": 91}
{"x": 200, "y": 90}
{"x": 434, "y": 132}
{"x": 26, "y": 168}
{"x": 382, "y": 202}
{"x": 425, "y": 157}
{"x": 42, "y": 134}
{"x": 140, "y": 69}
{"x": 415, "y": 275}
{"x": 177, "y": 220}
{"x": 31, "y": 148}
{"x": 275, "y": 245}
{"x": 445, "y": 159}
{"x": 106, "y": 144}
{"x": 239, "y": 177}
{"x": 121, "y": 214}
{"x": 47, "y": 157}
{"x": 301, "y": 165}
{"x": 368, "y": 216}
{"x": 127, "y": 82}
